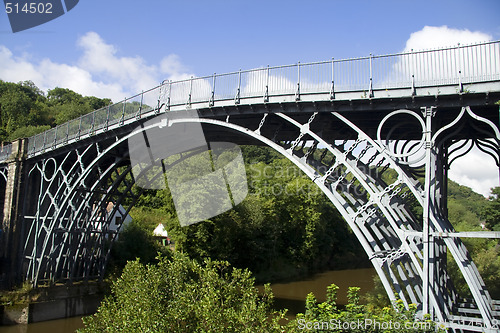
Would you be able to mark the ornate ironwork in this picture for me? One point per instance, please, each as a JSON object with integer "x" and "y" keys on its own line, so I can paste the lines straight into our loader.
{"x": 78, "y": 174}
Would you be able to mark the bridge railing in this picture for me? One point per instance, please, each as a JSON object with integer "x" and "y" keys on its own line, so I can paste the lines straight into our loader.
{"x": 458, "y": 65}
{"x": 5, "y": 151}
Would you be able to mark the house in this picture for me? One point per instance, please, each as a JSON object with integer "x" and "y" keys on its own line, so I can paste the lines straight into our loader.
{"x": 120, "y": 218}
{"x": 161, "y": 233}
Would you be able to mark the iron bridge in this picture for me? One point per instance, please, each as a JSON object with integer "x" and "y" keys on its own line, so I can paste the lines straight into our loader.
{"x": 344, "y": 123}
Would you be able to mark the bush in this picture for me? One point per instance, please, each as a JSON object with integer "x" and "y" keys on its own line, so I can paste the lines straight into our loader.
{"x": 136, "y": 241}
{"x": 181, "y": 295}
{"x": 356, "y": 317}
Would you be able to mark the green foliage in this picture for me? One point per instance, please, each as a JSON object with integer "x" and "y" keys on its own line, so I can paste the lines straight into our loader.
{"x": 66, "y": 104}
{"x": 488, "y": 264}
{"x": 66, "y": 112}
{"x": 466, "y": 197}
{"x": 27, "y": 131}
{"x": 135, "y": 241}
{"x": 255, "y": 154}
{"x": 285, "y": 226}
{"x": 466, "y": 210}
{"x": 181, "y": 295}
{"x": 21, "y": 104}
{"x": 148, "y": 217}
{"x": 25, "y": 110}
{"x": 491, "y": 212}
{"x": 377, "y": 297}
{"x": 356, "y": 317}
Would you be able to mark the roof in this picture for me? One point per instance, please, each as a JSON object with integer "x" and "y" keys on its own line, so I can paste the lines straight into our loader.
{"x": 160, "y": 231}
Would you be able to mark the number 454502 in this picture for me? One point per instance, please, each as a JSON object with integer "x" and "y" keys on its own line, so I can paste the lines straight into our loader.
{"x": 29, "y": 8}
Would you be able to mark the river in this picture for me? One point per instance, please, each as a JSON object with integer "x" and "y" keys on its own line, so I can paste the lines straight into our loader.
{"x": 290, "y": 295}
{"x": 67, "y": 325}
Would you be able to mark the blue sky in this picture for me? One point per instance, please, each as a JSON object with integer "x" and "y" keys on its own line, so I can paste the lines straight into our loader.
{"x": 111, "y": 48}
{"x": 223, "y": 35}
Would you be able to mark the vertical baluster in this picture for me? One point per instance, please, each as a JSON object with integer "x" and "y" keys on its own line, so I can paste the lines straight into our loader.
{"x": 237, "y": 97}
{"x": 107, "y": 118}
{"x": 370, "y": 92}
{"x": 482, "y": 69}
{"x": 460, "y": 68}
{"x": 332, "y": 90}
{"x": 169, "y": 94}
{"x": 266, "y": 92}
{"x": 122, "y": 119}
{"x": 34, "y": 143}
{"x": 44, "y": 138}
{"x": 92, "y": 124}
{"x": 211, "y": 102}
{"x": 139, "y": 112}
{"x": 79, "y": 128}
{"x": 55, "y": 136}
{"x": 67, "y": 131}
{"x": 297, "y": 93}
{"x": 188, "y": 103}
{"x": 449, "y": 67}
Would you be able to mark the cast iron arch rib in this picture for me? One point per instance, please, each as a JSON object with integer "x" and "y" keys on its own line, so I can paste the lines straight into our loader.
{"x": 351, "y": 173}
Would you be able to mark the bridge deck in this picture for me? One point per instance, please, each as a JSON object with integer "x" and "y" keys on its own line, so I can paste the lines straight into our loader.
{"x": 445, "y": 78}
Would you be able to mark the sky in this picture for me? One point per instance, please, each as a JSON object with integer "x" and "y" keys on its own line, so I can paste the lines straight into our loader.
{"x": 114, "y": 49}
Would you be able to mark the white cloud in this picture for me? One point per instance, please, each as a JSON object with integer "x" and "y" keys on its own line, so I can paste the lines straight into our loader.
{"x": 443, "y": 66}
{"x": 476, "y": 169}
{"x": 99, "y": 71}
{"x": 101, "y": 60}
{"x": 171, "y": 65}
{"x": 435, "y": 37}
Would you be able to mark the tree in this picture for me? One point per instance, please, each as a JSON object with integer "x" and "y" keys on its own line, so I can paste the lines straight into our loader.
{"x": 491, "y": 212}
{"x": 20, "y": 105}
{"x": 27, "y": 131}
{"x": 466, "y": 209}
{"x": 25, "y": 111}
{"x": 135, "y": 241}
{"x": 95, "y": 102}
{"x": 181, "y": 295}
{"x": 61, "y": 96}
{"x": 68, "y": 111}
{"x": 285, "y": 227}
{"x": 65, "y": 104}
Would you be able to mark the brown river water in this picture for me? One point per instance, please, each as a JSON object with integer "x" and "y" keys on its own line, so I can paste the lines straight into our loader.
{"x": 290, "y": 295}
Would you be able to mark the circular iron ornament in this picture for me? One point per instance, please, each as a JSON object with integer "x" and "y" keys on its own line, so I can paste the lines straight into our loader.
{"x": 45, "y": 173}
{"x": 412, "y": 150}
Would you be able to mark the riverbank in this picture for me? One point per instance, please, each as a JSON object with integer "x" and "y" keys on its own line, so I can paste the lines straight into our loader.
{"x": 50, "y": 303}
{"x": 66, "y": 301}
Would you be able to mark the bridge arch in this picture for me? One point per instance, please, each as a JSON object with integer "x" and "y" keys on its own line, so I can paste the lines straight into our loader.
{"x": 344, "y": 137}
{"x": 349, "y": 172}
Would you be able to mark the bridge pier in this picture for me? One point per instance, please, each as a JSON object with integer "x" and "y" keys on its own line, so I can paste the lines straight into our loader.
{"x": 11, "y": 233}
